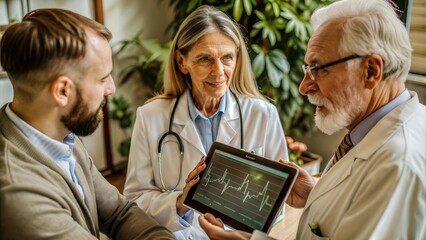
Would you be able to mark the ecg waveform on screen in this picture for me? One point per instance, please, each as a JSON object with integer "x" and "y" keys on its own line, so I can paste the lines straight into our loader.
{"x": 241, "y": 188}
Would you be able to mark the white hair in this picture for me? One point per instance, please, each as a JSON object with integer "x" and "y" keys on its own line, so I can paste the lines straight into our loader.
{"x": 371, "y": 27}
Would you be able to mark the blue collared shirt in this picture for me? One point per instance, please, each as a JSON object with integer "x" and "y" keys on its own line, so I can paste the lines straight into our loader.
{"x": 207, "y": 127}
{"x": 207, "y": 130}
{"x": 359, "y": 132}
{"x": 60, "y": 153}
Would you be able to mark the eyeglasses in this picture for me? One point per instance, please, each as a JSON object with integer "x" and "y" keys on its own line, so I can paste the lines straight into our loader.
{"x": 308, "y": 69}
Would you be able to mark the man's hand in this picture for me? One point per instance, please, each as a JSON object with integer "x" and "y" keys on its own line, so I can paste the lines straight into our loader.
{"x": 214, "y": 229}
{"x": 191, "y": 180}
{"x": 302, "y": 187}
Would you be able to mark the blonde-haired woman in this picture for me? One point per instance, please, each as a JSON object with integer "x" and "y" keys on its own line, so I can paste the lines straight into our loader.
{"x": 209, "y": 95}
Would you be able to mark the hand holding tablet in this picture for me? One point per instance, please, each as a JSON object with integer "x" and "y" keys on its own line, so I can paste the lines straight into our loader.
{"x": 246, "y": 191}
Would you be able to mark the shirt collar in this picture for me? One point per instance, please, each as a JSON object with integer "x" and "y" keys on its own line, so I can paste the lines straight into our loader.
{"x": 54, "y": 149}
{"x": 194, "y": 113}
{"x": 359, "y": 132}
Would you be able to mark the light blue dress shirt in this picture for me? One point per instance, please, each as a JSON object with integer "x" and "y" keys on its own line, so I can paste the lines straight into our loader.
{"x": 60, "y": 153}
{"x": 207, "y": 130}
{"x": 207, "y": 127}
{"x": 359, "y": 132}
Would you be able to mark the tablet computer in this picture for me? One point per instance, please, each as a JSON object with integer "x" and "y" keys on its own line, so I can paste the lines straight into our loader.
{"x": 245, "y": 190}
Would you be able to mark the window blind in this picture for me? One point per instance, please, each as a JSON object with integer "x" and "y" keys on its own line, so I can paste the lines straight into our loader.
{"x": 418, "y": 36}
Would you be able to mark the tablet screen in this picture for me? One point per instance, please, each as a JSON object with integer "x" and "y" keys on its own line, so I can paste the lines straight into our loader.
{"x": 246, "y": 191}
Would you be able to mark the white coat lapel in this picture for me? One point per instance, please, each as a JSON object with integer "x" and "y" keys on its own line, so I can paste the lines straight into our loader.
{"x": 386, "y": 127}
{"x": 330, "y": 179}
{"x": 369, "y": 144}
{"x": 229, "y": 123}
{"x": 183, "y": 121}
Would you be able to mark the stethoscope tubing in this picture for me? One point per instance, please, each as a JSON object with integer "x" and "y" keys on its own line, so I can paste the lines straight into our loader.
{"x": 180, "y": 144}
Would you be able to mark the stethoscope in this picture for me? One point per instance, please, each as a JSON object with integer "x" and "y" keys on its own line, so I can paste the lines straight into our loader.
{"x": 180, "y": 145}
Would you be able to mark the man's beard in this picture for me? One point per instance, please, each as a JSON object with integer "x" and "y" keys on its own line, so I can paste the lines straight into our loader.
{"x": 79, "y": 121}
{"x": 337, "y": 116}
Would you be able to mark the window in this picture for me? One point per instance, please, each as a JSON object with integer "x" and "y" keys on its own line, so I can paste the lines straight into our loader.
{"x": 418, "y": 36}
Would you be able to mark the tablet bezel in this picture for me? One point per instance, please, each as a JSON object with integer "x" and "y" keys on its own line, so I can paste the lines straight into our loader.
{"x": 202, "y": 208}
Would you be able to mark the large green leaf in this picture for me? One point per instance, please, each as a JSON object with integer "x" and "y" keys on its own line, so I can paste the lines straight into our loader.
{"x": 260, "y": 15}
{"x": 280, "y": 60}
{"x": 268, "y": 33}
{"x": 275, "y": 9}
{"x": 259, "y": 64}
{"x": 273, "y": 73}
{"x": 238, "y": 9}
{"x": 294, "y": 89}
{"x": 256, "y": 48}
{"x": 285, "y": 83}
{"x": 248, "y": 6}
{"x": 290, "y": 26}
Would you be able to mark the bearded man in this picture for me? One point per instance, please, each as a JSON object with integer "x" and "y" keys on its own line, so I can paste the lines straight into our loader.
{"x": 59, "y": 64}
{"x": 356, "y": 64}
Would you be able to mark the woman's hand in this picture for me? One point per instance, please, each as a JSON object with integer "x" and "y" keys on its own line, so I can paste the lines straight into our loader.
{"x": 191, "y": 180}
{"x": 301, "y": 188}
{"x": 214, "y": 228}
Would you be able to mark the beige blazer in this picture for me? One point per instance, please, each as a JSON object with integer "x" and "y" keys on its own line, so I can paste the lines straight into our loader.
{"x": 39, "y": 201}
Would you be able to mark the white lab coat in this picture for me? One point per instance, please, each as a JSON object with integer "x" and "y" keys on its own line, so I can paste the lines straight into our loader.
{"x": 263, "y": 135}
{"x": 378, "y": 189}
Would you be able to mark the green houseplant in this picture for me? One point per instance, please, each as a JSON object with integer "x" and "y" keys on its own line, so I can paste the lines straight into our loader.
{"x": 120, "y": 112}
{"x": 146, "y": 63}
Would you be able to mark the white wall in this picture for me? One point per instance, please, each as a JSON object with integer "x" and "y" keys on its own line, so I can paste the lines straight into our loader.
{"x": 125, "y": 19}
{"x": 6, "y": 91}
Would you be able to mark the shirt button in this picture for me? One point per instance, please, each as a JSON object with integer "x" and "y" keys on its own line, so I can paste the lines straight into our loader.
{"x": 190, "y": 237}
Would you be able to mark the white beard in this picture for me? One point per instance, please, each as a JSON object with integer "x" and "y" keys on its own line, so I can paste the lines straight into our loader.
{"x": 339, "y": 116}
